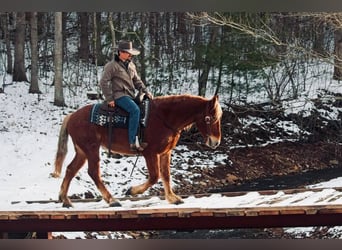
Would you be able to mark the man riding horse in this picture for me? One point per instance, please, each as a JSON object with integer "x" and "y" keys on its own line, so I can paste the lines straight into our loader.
{"x": 118, "y": 84}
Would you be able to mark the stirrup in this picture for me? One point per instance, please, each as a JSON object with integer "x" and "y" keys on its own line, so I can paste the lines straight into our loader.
{"x": 138, "y": 148}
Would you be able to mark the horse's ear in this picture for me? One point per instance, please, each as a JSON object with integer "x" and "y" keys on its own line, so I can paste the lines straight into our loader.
{"x": 213, "y": 101}
{"x": 215, "y": 98}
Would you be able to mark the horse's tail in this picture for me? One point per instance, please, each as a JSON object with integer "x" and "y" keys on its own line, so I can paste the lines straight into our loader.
{"x": 62, "y": 148}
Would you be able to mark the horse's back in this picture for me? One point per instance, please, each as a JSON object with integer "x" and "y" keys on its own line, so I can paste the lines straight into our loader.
{"x": 80, "y": 120}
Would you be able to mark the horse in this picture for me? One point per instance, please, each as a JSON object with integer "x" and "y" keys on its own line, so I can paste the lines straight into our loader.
{"x": 168, "y": 117}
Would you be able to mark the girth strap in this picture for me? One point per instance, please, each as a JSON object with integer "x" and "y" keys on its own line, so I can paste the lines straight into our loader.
{"x": 110, "y": 131}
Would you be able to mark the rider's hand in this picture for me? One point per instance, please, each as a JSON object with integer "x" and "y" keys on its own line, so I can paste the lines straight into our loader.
{"x": 149, "y": 95}
{"x": 111, "y": 104}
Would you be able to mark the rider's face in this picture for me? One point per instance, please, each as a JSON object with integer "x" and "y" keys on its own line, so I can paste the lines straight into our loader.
{"x": 124, "y": 56}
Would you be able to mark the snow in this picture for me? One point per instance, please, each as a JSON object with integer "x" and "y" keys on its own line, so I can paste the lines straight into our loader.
{"x": 29, "y": 130}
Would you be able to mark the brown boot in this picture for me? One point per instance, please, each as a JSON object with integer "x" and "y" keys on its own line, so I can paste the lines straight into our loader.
{"x": 142, "y": 146}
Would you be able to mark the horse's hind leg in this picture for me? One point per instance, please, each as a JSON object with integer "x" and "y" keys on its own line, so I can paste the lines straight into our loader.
{"x": 70, "y": 173}
{"x": 170, "y": 196}
{"x": 94, "y": 173}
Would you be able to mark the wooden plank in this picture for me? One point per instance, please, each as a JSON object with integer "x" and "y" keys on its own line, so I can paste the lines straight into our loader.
{"x": 219, "y": 214}
{"x": 330, "y": 210}
{"x": 172, "y": 214}
{"x": 292, "y": 211}
{"x": 87, "y": 216}
{"x": 102, "y": 216}
{"x": 114, "y": 216}
{"x": 14, "y": 216}
{"x": 44, "y": 216}
{"x": 127, "y": 214}
{"x": 158, "y": 215}
{"x": 236, "y": 212}
{"x": 4, "y": 217}
{"x": 310, "y": 211}
{"x": 250, "y": 212}
{"x": 268, "y": 212}
{"x": 58, "y": 216}
{"x": 202, "y": 213}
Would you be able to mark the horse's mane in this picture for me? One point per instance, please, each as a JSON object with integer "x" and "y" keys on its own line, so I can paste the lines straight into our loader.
{"x": 177, "y": 98}
{"x": 171, "y": 100}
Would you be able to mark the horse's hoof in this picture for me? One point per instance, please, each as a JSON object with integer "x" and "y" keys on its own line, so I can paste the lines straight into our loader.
{"x": 67, "y": 205}
{"x": 115, "y": 204}
{"x": 179, "y": 202}
{"x": 55, "y": 175}
{"x": 129, "y": 191}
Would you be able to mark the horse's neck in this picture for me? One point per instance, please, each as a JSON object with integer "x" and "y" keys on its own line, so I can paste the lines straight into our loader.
{"x": 179, "y": 114}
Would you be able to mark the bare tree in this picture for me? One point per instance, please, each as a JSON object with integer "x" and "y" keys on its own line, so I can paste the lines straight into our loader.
{"x": 100, "y": 57}
{"x": 112, "y": 32}
{"x": 338, "y": 55}
{"x": 58, "y": 61}
{"x": 264, "y": 31}
{"x": 7, "y": 33}
{"x": 84, "y": 41}
{"x": 19, "y": 52}
{"x": 34, "y": 88}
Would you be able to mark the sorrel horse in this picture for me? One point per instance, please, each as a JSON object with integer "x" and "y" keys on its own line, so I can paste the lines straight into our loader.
{"x": 169, "y": 115}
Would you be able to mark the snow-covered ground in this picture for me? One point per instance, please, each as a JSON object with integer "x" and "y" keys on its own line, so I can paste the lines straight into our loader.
{"x": 29, "y": 127}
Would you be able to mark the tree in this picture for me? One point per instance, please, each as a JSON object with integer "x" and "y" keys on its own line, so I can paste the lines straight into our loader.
{"x": 19, "y": 52}
{"x": 5, "y": 21}
{"x": 98, "y": 54}
{"x": 34, "y": 88}
{"x": 58, "y": 61}
{"x": 338, "y": 55}
{"x": 208, "y": 62}
{"x": 84, "y": 41}
{"x": 112, "y": 32}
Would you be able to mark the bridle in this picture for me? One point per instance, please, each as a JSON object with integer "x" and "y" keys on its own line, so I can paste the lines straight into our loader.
{"x": 207, "y": 120}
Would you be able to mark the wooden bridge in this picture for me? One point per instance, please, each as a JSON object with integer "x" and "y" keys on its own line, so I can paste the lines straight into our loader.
{"x": 269, "y": 212}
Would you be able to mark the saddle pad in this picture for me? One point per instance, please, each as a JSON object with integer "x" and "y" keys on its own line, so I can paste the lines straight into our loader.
{"x": 103, "y": 117}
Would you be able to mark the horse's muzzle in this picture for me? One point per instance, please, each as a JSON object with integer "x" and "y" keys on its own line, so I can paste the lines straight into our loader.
{"x": 212, "y": 142}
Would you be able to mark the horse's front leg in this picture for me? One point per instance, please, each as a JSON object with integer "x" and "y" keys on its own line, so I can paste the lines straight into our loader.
{"x": 152, "y": 163}
{"x": 170, "y": 196}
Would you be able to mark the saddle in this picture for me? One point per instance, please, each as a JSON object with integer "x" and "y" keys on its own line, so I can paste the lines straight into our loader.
{"x": 103, "y": 115}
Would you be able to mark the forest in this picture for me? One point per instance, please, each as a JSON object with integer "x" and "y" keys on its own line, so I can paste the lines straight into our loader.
{"x": 278, "y": 75}
{"x": 209, "y": 52}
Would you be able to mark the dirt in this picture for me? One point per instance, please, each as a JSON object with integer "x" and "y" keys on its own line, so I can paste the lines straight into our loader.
{"x": 263, "y": 149}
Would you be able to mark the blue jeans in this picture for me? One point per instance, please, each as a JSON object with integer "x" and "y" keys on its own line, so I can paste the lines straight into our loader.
{"x": 132, "y": 108}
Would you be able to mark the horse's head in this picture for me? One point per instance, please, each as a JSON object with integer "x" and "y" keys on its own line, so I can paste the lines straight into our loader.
{"x": 209, "y": 123}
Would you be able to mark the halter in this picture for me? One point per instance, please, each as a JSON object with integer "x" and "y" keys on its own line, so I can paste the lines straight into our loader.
{"x": 209, "y": 119}
{"x": 208, "y": 122}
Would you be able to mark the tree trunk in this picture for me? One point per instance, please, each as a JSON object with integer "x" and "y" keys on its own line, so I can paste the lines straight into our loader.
{"x": 19, "y": 74}
{"x": 7, "y": 38}
{"x": 58, "y": 61}
{"x": 34, "y": 88}
{"x": 142, "y": 57}
{"x": 101, "y": 59}
{"x": 112, "y": 32}
{"x": 84, "y": 41}
{"x": 338, "y": 55}
{"x": 207, "y": 64}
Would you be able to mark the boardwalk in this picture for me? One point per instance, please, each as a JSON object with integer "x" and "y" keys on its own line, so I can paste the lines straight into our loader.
{"x": 287, "y": 208}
